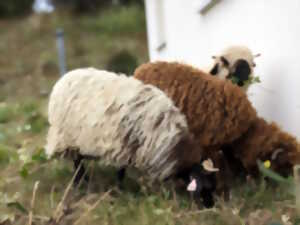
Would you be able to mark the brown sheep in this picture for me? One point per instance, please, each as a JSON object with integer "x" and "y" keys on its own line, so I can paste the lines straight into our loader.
{"x": 266, "y": 141}
{"x": 218, "y": 118}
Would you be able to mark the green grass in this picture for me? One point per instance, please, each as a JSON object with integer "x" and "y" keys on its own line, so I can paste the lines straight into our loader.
{"x": 116, "y": 20}
{"x": 28, "y": 70}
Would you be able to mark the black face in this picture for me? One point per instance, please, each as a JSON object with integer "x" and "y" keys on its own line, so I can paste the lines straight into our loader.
{"x": 241, "y": 71}
{"x": 206, "y": 185}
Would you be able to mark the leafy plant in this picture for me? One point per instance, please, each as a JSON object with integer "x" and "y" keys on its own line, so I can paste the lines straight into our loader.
{"x": 123, "y": 62}
{"x": 6, "y": 113}
{"x": 15, "y": 7}
{"x": 251, "y": 80}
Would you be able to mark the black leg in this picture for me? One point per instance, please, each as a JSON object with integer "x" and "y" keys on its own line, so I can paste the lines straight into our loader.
{"x": 121, "y": 176}
{"x": 81, "y": 170}
{"x": 207, "y": 197}
{"x": 206, "y": 185}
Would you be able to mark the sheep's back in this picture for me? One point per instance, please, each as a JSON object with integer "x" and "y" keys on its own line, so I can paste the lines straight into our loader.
{"x": 116, "y": 118}
{"x": 217, "y": 111}
{"x": 261, "y": 141}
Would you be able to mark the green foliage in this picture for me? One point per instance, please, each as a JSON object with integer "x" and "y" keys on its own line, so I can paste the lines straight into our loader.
{"x": 273, "y": 175}
{"x": 87, "y": 6}
{"x": 117, "y": 20}
{"x": 24, "y": 171}
{"x": 252, "y": 80}
{"x": 34, "y": 121}
{"x": 11, "y": 8}
{"x": 288, "y": 183}
{"x": 82, "y": 6}
{"x": 122, "y": 62}
{"x": 6, "y": 113}
{"x": 7, "y": 154}
{"x": 39, "y": 156}
{"x": 4, "y": 154}
{"x": 18, "y": 206}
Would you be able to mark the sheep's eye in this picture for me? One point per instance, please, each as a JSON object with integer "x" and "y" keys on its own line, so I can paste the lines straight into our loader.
{"x": 253, "y": 65}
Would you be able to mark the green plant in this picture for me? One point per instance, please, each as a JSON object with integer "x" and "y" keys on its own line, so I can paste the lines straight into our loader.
{"x": 15, "y": 7}
{"x": 252, "y": 80}
{"x": 82, "y": 6}
{"x": 122, "y": 62}
{"x": 6, "y": 113}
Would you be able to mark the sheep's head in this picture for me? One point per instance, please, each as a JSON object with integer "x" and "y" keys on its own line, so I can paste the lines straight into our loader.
{"x": 282, "y": 160}
{"x": 235, "y": 63}
{"x": 202, "y": 182}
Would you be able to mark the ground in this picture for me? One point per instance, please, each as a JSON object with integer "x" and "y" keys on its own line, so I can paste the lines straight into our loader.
{"x": 35, "y": 190}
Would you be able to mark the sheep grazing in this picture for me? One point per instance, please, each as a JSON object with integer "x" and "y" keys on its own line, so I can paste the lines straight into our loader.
{"x": 217, "y": 111}
{"x": 220, "y": 116}
{"x": 267, "y": 142}
{"x": 121, "y": 121}
{"x": 235, "y": 63}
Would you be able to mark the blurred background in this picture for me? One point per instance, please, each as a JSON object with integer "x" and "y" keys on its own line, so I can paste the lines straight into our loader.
{"x": 106, "y": 34}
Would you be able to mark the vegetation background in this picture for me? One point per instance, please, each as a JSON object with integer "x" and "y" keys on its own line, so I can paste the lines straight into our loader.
{"x": 106, "y": 34}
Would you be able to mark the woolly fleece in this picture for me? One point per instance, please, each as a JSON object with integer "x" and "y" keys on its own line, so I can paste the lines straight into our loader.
{"x": 217, "y": 111}
{"x": 118, "y": 119}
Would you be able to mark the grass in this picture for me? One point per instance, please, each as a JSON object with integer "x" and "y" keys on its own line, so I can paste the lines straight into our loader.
{"x": 28, "y": 70}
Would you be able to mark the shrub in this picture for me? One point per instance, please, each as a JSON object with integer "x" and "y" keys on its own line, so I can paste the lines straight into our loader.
{"x": 82, "y": 6}
{"x": 13, "y": 8}
{"x": 6, "y": 113}
{"x": 122, "y": 62}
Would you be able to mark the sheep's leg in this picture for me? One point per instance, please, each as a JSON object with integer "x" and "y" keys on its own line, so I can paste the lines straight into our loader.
{"x": 78, "y": 165}
{"x": 121, "y": 176}
{"x": 207, "y": 198}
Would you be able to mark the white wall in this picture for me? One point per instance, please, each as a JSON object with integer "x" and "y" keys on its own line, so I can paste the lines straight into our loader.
{"x": 271, "y": 28}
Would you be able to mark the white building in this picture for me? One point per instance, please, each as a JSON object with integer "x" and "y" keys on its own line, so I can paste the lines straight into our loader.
{"x": 179, "y": 30}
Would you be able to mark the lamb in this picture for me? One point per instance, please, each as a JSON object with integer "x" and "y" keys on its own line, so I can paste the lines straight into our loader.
{"x": 122, "y": 121}
{"x": 235, "y": 63}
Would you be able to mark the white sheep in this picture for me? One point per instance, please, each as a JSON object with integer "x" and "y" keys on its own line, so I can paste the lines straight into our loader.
{"x": 116, "y": 118}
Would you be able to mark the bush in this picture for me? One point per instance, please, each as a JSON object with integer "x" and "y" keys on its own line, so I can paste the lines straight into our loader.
{"x": 11, "y": 8}
{"x": 117, "y": 20}
{"x": 82, "y": 6}
{"x": 122, "y": 62}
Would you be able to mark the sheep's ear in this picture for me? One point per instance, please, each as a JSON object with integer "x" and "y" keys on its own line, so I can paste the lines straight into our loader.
{"x": 224, "y": 61}
{"x": 214, "y": 70}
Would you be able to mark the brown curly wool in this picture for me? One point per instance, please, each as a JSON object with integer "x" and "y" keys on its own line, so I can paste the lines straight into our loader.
{"x": 217, "y": 111}
{"x": 266, "y": 141}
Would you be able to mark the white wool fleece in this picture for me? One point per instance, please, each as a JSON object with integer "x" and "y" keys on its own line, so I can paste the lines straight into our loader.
{"x": 116, "y": 118}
